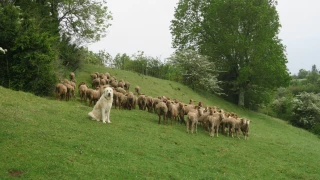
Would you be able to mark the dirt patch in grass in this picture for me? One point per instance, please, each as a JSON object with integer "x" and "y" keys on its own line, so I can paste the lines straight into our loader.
{"x": 15, "y": 173}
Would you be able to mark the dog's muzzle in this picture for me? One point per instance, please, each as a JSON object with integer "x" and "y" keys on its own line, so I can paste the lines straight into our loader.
{"x": 109, "y": 94}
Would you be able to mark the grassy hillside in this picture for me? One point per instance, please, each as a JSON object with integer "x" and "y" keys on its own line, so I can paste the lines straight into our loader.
{"x": 42, "y": 138}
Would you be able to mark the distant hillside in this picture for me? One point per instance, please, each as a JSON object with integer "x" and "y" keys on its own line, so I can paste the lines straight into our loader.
{"x": 42, "y": 138}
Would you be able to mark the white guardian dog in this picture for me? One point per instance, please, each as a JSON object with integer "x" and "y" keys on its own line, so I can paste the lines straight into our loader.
{"x": 101, "y": 111}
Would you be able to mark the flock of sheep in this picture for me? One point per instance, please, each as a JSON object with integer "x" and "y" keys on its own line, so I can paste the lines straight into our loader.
{"x": 211, "y": 118}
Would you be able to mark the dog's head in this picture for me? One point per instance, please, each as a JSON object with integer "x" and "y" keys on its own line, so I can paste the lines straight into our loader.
{"x": 108, "y": 93}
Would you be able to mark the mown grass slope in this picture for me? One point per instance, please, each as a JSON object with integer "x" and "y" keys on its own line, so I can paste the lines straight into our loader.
{"x": 42, "y": 138}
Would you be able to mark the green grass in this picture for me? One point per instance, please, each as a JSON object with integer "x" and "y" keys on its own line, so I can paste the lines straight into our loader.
{"x": 42, "y": 138}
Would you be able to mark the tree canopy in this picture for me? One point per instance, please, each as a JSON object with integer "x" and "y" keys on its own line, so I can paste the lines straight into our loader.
{"x": 241, "y": 37}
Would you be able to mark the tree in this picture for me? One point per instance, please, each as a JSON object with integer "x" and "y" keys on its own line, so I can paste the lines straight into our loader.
{"x": 302, "y": 73}
{"x": 240, "y": 37}
{"x": 196, "y": 70}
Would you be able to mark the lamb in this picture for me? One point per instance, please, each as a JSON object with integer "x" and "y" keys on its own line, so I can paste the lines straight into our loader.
{"x": 162, "y": 110}
{"x": 70, "y": 89}
{"x": 61, "y": 91}
{"x": 121, "y": 84}
{"x": 93, "y": 76}
{"x": 149, "y": 103}
{"x": 192, "y": 119}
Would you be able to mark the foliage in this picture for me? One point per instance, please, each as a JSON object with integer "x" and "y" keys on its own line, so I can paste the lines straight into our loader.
{"x": 196, "y": 70}
{"x": 29, "y": 64}
{"x": 241, "y": 37}
{"x": 306, "y": 110}
{"x": 282, "y": 104}
{"x": 84, "y": 21}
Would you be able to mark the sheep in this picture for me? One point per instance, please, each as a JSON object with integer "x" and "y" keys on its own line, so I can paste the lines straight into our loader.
{"x": 173, "y": 111}
{"x": 72, "y": 77}
{"x": 162, "y": 110}
{"x": 82, "y": 88}
{"x": 155, "y": 102}
{"x": 61, "y": 91}
{"x": 192, "y": 119}
{"x": 126, "y": 85}
{"x": 94, "y": 96}
{"x": 70, "y": 89}
{"x": 149, "y": 103}
{"x": 245, "y": 128}
{"x": 181, "y": 112}
{"x": 131, "y": 99}
{"x": 103, "y": 82}
{"x": 214, "y": 120}
{"x": 137, "y": 90}
{"x": 116, "y": 99}
{"x": 95, "y": 83}
{"x": 120, "y": 89}
{"x": 123, "y": 101}
{"x": 108, "y": 75}
{"x": 113, "y": 83}
{"x": 142, "y": 101}
{"x": 93, "y": 76}
{"x": 121, "y": 84}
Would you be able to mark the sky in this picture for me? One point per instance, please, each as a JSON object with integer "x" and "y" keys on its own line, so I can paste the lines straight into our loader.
{"x": 143, "y": 25}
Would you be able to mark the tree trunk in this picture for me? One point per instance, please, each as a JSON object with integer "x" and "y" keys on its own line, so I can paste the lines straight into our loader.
{"x": 241, "y": 97}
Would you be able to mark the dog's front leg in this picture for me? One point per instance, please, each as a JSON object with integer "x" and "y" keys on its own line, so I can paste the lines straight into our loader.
{"x": 103, "y": 115}
{"x": 108, "y": 115}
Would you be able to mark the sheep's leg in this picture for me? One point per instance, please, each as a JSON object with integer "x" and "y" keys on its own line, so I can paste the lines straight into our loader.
{"x": 217, "y": 131}
{"x": 187, "y": 126}
{"x": 159, "y": 119}
{"x": 196, "y": 124}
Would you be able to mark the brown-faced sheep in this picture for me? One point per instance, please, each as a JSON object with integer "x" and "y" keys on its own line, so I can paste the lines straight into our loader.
{"x": 245, "y": 128}
{"x": 61, "y": 91}
{"x": 162, "y": 110}
{"x": 142, "y": 101}
{"x": 113, "y": 83}
{"x": 149, "y": 103}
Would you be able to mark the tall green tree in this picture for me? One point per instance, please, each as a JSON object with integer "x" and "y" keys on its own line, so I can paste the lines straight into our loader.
{"x": 241, "y": 37}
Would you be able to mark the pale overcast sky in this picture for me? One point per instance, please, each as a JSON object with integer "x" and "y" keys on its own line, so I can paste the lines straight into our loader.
{"x": 143, "y": 25}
